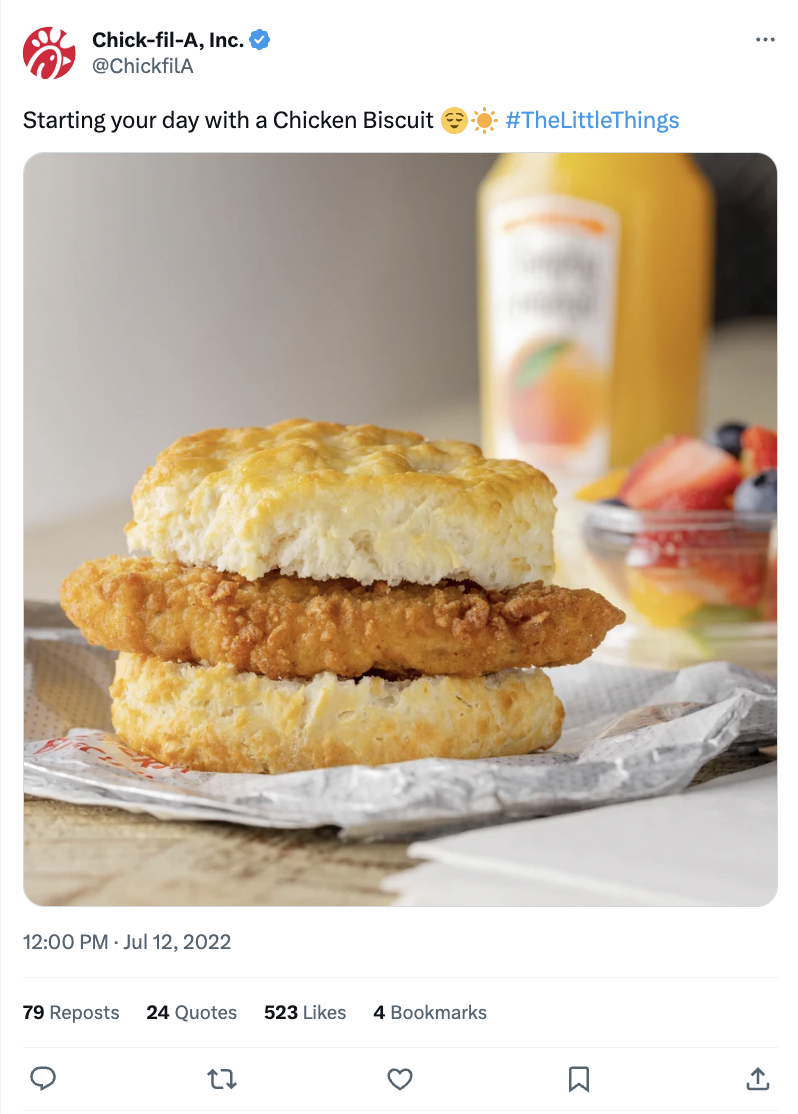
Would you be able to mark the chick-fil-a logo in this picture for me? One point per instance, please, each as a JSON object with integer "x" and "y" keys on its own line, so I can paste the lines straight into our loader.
{"x": 48, "y": 53}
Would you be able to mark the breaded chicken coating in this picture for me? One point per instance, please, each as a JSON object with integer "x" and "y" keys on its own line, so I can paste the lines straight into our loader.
{"x": 286, "y": 626}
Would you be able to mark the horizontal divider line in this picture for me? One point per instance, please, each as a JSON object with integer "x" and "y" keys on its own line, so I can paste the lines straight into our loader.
{"x": 422, "y": 1047}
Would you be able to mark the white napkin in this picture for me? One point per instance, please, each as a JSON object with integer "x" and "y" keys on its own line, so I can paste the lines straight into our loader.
{"x": 715, "y": 844}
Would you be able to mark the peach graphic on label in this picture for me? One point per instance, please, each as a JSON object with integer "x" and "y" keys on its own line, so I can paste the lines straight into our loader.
{"x": 557, "y": 393}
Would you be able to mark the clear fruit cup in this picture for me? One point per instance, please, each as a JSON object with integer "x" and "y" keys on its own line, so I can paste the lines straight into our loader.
{"x": 696, "y": 585}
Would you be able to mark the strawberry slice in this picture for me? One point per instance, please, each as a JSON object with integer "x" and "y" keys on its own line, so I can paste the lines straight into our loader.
{"x": 681, "y": 473}
{"x": 759, "y": 450}
{"x": 721, "y": 568}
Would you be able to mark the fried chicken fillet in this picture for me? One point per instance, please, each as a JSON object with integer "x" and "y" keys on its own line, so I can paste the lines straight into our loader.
{"x": 290, "y": 627}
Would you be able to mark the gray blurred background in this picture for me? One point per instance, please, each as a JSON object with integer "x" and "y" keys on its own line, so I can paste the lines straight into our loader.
{"x": 165, "y": 294}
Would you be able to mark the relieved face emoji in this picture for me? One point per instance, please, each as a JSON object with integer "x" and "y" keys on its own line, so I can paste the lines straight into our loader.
{"x": 454, "y": 120}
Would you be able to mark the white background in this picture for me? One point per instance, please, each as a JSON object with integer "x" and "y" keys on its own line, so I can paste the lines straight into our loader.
{"x": 699, "y": 61}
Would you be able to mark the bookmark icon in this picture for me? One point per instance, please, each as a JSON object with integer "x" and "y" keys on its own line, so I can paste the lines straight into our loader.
{"x": 578, "y": 1077}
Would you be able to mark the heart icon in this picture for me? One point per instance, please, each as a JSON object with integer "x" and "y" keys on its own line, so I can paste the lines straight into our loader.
{"x": 399, "y": 1077}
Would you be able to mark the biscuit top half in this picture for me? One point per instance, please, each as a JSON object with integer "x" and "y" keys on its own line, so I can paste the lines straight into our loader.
{"x": 322, "y": 500}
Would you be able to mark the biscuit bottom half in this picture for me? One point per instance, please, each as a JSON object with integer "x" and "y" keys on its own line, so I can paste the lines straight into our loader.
{"x": 214, "y": 718}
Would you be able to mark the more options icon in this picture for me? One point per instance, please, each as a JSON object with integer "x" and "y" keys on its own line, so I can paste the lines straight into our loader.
{"x": 578, "y": 1078}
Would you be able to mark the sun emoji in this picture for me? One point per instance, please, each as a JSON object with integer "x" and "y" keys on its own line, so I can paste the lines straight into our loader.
{"x": 484, "y": 120}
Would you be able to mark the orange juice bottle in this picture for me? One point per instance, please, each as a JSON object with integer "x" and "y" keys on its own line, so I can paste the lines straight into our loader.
{"x": 594, "y": 304}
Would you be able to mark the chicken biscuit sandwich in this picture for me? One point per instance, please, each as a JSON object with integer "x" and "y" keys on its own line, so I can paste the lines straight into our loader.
{"x": 322, "y": 595}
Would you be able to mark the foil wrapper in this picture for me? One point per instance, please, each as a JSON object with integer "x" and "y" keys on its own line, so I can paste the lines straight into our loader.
{"x": 629, "y": 733}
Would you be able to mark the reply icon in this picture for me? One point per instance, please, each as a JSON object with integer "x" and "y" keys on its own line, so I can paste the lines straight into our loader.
{"x": 578, "y": 1077}
{"x": 42, "y": 1077}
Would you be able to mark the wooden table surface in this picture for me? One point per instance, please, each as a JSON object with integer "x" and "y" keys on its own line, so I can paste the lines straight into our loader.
{"x": 89, "y": 855}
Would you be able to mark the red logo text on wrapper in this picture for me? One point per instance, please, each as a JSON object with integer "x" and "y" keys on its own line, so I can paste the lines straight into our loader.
{"x": 48, "y": 53}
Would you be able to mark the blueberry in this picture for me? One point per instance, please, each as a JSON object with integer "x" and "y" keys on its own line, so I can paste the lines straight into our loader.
{"x": 612, "y": 502}
{"x": 727, "y": 436}
{"x": 757, "y": 494}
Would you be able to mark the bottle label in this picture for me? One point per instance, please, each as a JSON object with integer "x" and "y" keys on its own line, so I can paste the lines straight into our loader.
{"x": 552, "y": 271}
